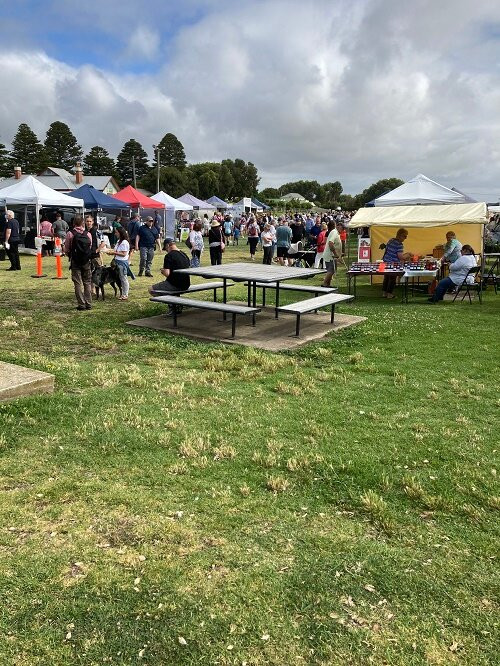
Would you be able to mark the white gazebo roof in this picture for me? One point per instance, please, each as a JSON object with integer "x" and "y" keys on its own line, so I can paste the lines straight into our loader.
{"x": 29, "y": 190}
{"x": 421, "y": 190}
{"x": 169, "y": 202}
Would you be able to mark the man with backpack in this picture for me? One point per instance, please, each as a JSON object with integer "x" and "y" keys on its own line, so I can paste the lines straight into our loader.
{"x": 78, "y": 247}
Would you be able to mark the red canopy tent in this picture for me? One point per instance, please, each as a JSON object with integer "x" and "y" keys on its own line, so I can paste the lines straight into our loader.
{"x": 136, "y": 199}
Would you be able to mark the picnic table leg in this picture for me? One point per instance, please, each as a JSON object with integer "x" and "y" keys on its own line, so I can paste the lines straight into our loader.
{"x": 332, "y": 316}
{"x": 263, "y": 297}
{"x": 224, "y": 295}
{"x": 233, "y": 325}
{"x": 175, "y": 315}
{"x": 215, "y": 294}
{"x": 297, "y": 326}
{"x": 254, "y": 293}
{"x": 277, "y": 300}
{"x": 249, "y": 299}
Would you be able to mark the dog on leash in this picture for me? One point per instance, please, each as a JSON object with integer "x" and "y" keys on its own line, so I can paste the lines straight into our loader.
{"x": 102, "y": 275}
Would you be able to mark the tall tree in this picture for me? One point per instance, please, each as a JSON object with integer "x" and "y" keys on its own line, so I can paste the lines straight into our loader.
{"x": 171, "y": 152}
{"x": 61, "y": 146}
{"x": 330, "y": 194}
{"x": 209, "y": 184}
{"x": 5, "y": 162}
{"x": 246, "y": 178}
{"x": 226, "y": 182}
{"x": 97, "y": 162}
{"x": 27, "y": 151}
{"x": 172, "y": 180}
{"x": 377, "y": 189}
{"x": 132, "y": 148}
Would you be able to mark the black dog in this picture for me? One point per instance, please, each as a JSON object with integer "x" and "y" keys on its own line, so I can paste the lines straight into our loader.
{"x": 102, "y": 275}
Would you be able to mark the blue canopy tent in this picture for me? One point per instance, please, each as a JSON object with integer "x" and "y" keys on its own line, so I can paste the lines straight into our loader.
{"x": 259, "y": 204}
{"x": 96, "y": 200}
{"x": 218, "y": 203}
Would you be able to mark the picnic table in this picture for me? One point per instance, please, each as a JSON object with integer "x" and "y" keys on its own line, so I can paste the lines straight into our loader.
{"x": 252, "y": 274}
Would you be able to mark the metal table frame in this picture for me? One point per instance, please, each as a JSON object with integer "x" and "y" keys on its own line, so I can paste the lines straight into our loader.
{"x": 252, "y": 273}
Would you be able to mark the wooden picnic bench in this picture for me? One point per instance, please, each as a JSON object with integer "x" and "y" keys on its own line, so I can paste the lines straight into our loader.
{"x": 204, "y": 286}
{"x": 225, "y": 308}
{"x": 310, "y": 304}
{"x": 286, "y": 286}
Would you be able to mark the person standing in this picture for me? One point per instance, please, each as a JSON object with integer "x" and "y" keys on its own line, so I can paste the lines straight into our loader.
{"x": 283, "y": 241}
{"x": 60, "y": 228}
{"x": 332, "y": 251}
{"x": 78, "y": 247}
{"x": 267, "y": 238}
{"x": 253, "y": 236}
{"x": 452, "y": 248}
{"x": 121, "y": 252}
{"x": 145, "y": 242}
{"x": 321, "y": 244}
{"x": 12, "y": 240}
{"x": 394, "y": 252}
{"x": 196, "y": 240}
{"x": 47, "y": 232}
{"x": 215, "y": 243}
{"x": 133, "y": 229}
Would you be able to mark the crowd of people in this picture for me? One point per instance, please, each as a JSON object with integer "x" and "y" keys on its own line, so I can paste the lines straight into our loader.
{"x": 281, "y": 239}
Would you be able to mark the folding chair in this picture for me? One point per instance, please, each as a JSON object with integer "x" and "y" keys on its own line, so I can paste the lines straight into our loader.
{"x": 467, "y": 288}
{"x": 490, "y": 277}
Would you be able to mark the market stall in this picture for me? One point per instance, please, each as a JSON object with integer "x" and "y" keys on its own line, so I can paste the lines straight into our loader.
{"x": 172, "y": 206}
{"x": 30, "y": 192}
{"x": 426, "y": 225}
{"x": 140, "y": 202}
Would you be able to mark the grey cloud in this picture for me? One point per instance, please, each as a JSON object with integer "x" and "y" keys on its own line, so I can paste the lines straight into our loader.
{"x": 324, "y": 90}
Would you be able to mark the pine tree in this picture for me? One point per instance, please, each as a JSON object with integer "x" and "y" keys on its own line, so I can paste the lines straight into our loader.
{"x": 5, "y": 163}
{"x": 61, "y": 146}
{"x": 98, "y": 162}
{"x": 171, "y": 152}
{"x": 132, "y": 148}
{"x": 27, "y": 151}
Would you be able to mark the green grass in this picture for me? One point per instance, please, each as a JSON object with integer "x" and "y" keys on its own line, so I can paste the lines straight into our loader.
{"x": 175, "y": 502}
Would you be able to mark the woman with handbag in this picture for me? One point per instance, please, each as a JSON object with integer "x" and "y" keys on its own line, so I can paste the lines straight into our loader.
{"x": 216, "y": 243}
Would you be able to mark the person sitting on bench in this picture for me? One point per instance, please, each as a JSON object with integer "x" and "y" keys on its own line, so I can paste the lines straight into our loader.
{"x": 174, "y": 282}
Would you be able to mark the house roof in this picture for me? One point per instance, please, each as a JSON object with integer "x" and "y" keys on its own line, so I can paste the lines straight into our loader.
{"x": 292, "y": 196}
{"x": 62, "y": 180}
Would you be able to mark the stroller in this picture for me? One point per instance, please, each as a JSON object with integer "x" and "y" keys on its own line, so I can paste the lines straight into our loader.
{"x": 302, "y": 254}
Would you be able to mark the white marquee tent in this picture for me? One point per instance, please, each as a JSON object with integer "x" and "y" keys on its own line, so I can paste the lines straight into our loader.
{"x": 423, "y": 191}
{"x": 171, "y": 207}
{"x": 31, "y": 192}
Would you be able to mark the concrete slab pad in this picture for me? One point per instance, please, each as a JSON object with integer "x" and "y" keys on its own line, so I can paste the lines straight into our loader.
{"x": 17, "y": 382}
{"x": 269, "y": 333}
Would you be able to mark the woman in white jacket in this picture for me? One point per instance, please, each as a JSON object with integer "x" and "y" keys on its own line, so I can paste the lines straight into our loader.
{"x": 458, "y": 273}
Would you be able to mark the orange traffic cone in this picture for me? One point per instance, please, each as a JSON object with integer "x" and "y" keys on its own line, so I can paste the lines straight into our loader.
{"x": 57, "y": 254}
{"x": 39, "y": 273}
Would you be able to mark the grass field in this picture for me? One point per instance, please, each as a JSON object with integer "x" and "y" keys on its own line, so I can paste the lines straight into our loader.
{"x": 183, "y": 503}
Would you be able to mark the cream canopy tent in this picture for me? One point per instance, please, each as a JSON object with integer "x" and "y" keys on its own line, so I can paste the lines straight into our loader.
{"x": 31, "y": 192}
{"x": 421, "y": 190}
{"x": 426, "y": 225}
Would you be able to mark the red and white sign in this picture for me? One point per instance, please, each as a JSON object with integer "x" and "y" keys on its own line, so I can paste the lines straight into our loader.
{"x": 364, "y": 250}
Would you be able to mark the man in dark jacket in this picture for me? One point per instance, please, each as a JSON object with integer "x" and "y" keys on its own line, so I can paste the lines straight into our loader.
{"x": 12, "y": 240}
{"x": 174, "y": 281}
{"x": 145, "y": 242}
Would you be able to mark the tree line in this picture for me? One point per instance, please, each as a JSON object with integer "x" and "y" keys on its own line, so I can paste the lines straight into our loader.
{"x": 228, "y": 179}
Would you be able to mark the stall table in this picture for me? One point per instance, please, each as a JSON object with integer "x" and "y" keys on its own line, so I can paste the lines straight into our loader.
{"x": 252, "y": 273}
{"x": 352, "y": 275}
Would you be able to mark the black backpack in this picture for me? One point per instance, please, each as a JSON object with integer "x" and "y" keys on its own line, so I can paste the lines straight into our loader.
{"x": 81, "y": 249}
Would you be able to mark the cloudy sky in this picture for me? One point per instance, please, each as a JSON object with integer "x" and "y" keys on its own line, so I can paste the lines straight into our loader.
{"x": 349, "y": 90}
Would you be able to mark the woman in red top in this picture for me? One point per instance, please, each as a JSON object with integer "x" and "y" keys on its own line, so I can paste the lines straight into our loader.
{"x": 321, "y": 244}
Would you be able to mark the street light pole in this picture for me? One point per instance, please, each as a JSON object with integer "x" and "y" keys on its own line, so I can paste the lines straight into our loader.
{"x": 157, "y": 149}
